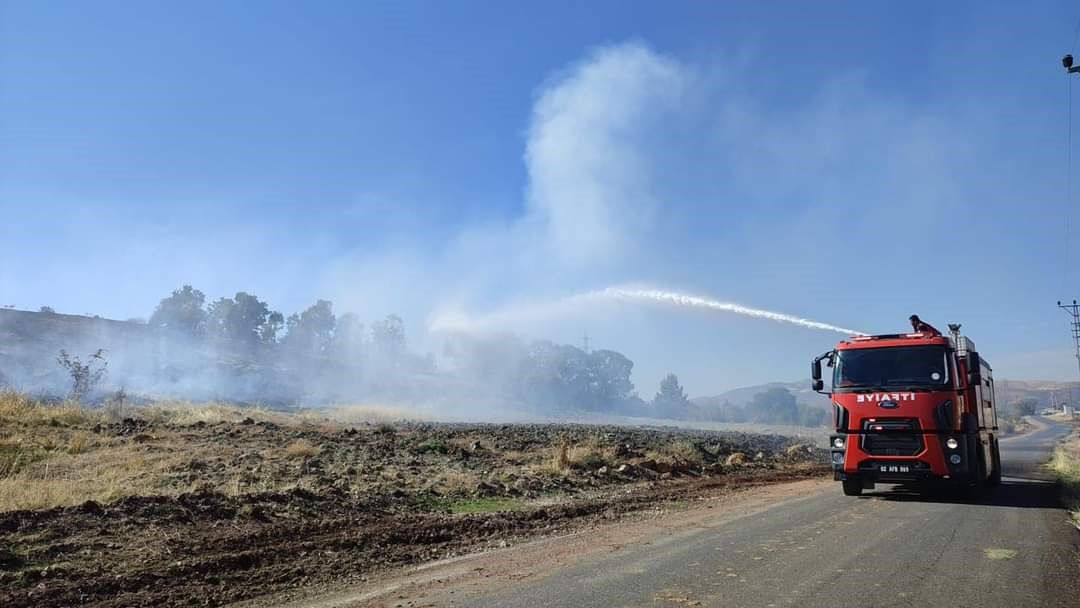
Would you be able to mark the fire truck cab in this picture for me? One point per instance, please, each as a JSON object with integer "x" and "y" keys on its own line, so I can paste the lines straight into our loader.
{"x": 911, "y": 408}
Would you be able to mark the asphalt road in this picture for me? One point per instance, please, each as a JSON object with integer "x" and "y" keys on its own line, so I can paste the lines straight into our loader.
{"x": 890, "y": 547}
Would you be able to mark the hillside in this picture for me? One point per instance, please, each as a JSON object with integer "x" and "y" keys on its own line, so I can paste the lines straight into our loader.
{"x": 745, "y": 395}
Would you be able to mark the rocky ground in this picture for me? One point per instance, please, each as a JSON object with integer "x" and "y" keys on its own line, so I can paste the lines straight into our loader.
{"x": 230, "y": 507}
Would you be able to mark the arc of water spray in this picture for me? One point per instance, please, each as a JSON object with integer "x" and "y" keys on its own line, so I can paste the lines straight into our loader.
{"x": 689, "y": 301}
{"x": 568, "y": 306}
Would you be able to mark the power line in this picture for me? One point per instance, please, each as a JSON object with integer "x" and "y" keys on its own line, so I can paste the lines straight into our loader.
{"x": 1073, "y": 310}
{"x": 1076, "y": 35}
{"x": 1068, "y": 175}
{"x": 1067, "y": 63}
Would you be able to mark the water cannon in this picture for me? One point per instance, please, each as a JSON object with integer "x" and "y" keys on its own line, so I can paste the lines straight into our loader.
{"x": 960, "y": 345}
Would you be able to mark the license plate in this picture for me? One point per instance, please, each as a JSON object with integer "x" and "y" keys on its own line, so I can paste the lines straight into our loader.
{"x": 894, "y": 468}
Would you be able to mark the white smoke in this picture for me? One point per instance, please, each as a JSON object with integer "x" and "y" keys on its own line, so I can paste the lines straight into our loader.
{"x": 568, "y": 306}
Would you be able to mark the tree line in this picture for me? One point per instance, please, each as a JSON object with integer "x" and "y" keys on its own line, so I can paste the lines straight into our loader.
{"x": 240, "y": 348}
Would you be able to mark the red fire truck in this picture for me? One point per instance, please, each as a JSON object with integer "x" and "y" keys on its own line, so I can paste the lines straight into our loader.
{"x": 911, "y": 408}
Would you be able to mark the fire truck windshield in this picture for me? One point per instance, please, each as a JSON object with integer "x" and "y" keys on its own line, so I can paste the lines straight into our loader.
{"x": 909, "y": 367}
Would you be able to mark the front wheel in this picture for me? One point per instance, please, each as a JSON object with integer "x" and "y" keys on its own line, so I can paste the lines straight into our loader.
{"x": 852, "y": 486}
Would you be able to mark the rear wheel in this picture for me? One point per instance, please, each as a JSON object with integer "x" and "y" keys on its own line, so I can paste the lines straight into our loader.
{"x": 995, "y": 461}
{"x": 852, "y": 486}
{"x": 978, "y": 481}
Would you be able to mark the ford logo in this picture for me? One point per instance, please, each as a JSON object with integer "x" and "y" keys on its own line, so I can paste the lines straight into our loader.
{"x": 888, "y": 404}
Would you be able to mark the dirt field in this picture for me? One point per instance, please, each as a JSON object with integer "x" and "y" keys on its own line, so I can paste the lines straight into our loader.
{"x": 207, "y": 505}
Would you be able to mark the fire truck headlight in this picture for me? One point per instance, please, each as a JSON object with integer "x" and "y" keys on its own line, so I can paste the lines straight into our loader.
{"x": 952, "y": 443}
{"x": 955, "y": 459}
{"x": 838, "y": 443}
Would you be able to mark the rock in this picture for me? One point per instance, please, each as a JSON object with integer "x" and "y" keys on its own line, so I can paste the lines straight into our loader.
{"x": 647, "y": 473}
{"x": 602, "y": 470}
{"x": 142, "y": 438}
{"x": 799, "y": 449}
{"x": 735, "y": 459}
{"x": 664, "y": 476}
{"x": 759, "y": 456}
{"x": 475, "y": 446}
{"x": 250, "y": 511}
{"x": 247, "y": 421}
{"x": 625, "y": 469}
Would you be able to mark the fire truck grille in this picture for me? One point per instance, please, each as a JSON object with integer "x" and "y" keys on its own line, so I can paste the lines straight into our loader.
{"x": 888, "y": 437}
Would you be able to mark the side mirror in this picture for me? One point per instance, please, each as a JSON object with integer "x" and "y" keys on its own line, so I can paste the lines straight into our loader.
{"x": 816, "y": 382}
{"x": 974, "y": 375}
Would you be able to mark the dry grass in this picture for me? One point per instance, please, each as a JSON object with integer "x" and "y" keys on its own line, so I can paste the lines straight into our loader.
{"x": 49, "y": 457}
{"x": 182, "y": 413}
{"x": 458, "y": 482}
{"x": 64, "y": 479}
{"x": 19, "y": 409}
{"x": 677, "y": 451}
{"x": 561, "y": 459}
{"x": 79, "y": 442}
{"x": 1066, "y": 466}
{"x": 371, "y": 414}
{"x": 591, "y": 453}
{"x": 302, "y": 448}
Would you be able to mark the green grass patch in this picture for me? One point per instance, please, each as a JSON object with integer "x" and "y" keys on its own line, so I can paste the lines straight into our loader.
{"x": 433, "y": 446}
{"x": 486, "y": 505}
{"x": 999, "y": 553}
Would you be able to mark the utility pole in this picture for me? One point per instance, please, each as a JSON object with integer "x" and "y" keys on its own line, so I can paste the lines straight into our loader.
{"x": 1073, "y": 310}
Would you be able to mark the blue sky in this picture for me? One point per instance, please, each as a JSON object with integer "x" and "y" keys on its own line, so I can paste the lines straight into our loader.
{"x": 847, "y": 162}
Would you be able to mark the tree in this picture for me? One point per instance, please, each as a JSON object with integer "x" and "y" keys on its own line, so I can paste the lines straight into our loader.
{"x": 565, "y": 377}
{"x": 671, "y": 401}
{"x": 84, "y": 376}
{"x": 47, "y": 310}
{"x": 1025, "y": 407}
{"x": 268, "y": 331}
{"x": 181, "y": 312}
{"x": 311, "y": 331}
{"x": 243, "y": 320}
{"x": 348, "y": 340}
{"x": 774, "y": 406}
{"x": 611, "y": 378}
{"x": 388, "y": 335}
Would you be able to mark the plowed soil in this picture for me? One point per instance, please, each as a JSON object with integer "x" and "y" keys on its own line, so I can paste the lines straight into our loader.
{"x": 211, "y": 546}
